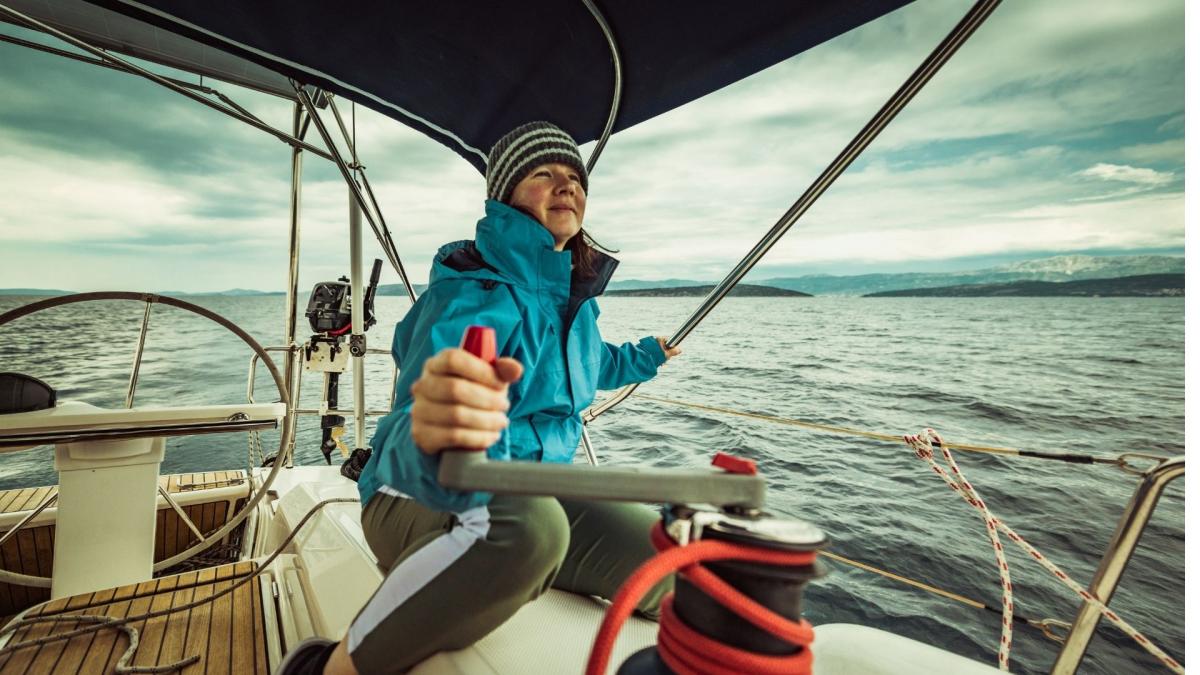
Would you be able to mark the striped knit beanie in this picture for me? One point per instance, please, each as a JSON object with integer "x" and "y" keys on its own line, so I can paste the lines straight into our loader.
{"x": 523, "y": 148}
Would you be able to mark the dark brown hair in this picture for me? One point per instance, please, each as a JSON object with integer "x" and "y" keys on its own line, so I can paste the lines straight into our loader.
{"x": 584, "y": 249}
{"x": 584, "y": 253}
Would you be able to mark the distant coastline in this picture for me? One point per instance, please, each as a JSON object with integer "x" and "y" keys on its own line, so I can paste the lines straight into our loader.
{"x": 739, "y": 291}
{"x": 1140, "y": 286}
{"x": 54, "y": 292}
{"x": 1058, "y": 275}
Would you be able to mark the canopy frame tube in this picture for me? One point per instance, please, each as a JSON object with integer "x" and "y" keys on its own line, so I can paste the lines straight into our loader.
{"x": 295, "y": 139}
{"x": 121, "y": 64}
{"x": 618, "y": 84}
{"x": 29, "y": 44}
{"x": 343, "y": 166}
{"x": 975, "y": 17}
{"x": 300, "y": 122}
{"x": 360, "y": 174}
{"x": 291, "y": 367}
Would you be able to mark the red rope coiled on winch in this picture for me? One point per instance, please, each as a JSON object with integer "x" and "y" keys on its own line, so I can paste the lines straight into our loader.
{"x": 686, "y": 651}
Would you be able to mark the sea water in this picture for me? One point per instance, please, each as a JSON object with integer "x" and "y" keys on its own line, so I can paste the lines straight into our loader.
{"x": 1096, "y": 376}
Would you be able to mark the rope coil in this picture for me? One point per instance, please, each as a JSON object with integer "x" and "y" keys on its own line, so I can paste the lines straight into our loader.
{"x": 923, "y": 445}
{"x": 686, "y": 651}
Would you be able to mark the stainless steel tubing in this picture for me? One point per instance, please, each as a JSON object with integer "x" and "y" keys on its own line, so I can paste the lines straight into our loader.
{"x": 137, "y": 357}
{"x": 932, "y": 63}
{"x": 338, "y": 411}
{"x": 293, "y": 286}
{"x": 290, "y": 370}
{"x": 104, "y": 433}
{"x": 104, "y": 64}
{"x": 294, "y": 357}
{"x": 588, "y": 449}
{"x": 182, "y": 515}
{"x": 395, "y": 377}
{"x": 1112, "y": 566}
{"x": 254, "y": 371}
{"x": 356, "y": 323}
{"x": 385, "y": 237}
{"x": 129, "y": 67}
{"x": 28, "y": 517}
{"x": 310, "y": 105}
{"x": 337, "y": 117}
{"x": 618, "y": 83}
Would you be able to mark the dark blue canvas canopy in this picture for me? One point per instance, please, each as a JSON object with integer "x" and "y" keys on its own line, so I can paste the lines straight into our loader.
{"x": 465, "y": 72}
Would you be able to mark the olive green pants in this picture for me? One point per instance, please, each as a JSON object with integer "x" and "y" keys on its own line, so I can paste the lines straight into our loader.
{"x": 454, "y": 578}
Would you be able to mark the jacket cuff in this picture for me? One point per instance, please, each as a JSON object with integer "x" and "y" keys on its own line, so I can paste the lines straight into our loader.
{"x": 649, "y": 344}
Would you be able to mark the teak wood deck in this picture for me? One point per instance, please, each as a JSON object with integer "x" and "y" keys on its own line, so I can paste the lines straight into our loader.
{"x": 31, "y": 550}
{"x": 229, "y": 634}
{"x": 27, "y": 499}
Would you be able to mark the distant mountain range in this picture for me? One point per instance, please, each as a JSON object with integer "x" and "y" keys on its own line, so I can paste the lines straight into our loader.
{"x": 236, "y": 292}
{"x": 1142, "y": 286}
{"x": 33, "y": 291}
{"x": 398, "y": 289}
{"x": 741, "y": 290}
{"x": 634, "y": 284}
{"x": 1058, "y": 268}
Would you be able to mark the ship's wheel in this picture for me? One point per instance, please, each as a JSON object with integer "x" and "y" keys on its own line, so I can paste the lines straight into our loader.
{"x": 79, "y": 424}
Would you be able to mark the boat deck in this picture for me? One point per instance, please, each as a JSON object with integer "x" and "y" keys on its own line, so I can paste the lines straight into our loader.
{"x": 27, "y": 499}
{"x": 228, "y": 634}
{"x": 31, "y": 550}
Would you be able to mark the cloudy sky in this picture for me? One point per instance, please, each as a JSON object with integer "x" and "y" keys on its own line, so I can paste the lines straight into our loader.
{"x": 1058, "y": 128}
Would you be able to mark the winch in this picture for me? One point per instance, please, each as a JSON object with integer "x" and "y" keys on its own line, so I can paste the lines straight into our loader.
{"x": 704, "y": 631}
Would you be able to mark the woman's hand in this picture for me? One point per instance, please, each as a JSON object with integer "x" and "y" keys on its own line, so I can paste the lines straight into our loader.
{"x": 672, "y": 352}
{"x": 460, "y": 401}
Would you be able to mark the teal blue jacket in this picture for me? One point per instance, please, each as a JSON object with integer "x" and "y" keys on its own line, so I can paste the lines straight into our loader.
{"x": 512, "y": 279}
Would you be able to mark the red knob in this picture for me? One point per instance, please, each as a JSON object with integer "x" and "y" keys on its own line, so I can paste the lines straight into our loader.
{"x": 734, "y": 464}
{"x": 480, "y": 341}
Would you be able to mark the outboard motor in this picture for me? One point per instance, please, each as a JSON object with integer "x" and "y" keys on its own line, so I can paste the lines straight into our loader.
{"x": 327, "y": 352}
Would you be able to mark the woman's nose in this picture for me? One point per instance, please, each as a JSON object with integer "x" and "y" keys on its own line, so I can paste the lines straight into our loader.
{"x": 566, "y": 185}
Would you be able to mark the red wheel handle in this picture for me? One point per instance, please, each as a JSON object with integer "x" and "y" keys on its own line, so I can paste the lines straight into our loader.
{"x": 480, "y": 341}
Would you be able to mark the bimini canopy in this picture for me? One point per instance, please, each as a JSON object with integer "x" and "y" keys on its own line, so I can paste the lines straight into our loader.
{"x": 465, "y": 72}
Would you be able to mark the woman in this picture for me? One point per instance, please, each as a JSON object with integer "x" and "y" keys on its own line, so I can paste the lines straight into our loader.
{"x": 460, "y": 564}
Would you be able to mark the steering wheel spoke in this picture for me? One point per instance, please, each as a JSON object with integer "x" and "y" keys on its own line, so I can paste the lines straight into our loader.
{"x": 80, "y": 425}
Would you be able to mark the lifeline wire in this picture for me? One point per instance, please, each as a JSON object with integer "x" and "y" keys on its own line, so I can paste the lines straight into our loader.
{"x": 1046, "y": 625}
{"x": 1073, "y": 458}
{"x": 103, "y": 622}
{"x": 923, "y": 445}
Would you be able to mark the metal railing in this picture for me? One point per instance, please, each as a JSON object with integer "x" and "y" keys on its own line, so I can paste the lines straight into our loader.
{"x": 1116, "y": 558}
{"x": 294, "y": 410}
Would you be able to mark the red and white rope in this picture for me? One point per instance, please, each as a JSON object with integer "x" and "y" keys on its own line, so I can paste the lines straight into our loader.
{"x": 923, "y": 444}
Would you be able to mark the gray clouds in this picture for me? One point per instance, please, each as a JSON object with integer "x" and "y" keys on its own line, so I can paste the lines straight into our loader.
{"x": 1057, "y": 128}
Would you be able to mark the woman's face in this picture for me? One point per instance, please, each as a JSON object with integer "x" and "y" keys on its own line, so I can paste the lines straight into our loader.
{"x": 553, "y": 195}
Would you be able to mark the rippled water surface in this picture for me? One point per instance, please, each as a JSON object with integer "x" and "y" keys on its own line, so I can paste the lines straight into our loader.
{"x": 1097, "y": 376}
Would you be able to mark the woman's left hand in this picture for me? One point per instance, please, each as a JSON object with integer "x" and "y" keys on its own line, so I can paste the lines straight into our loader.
{"x": 672, "y": 352}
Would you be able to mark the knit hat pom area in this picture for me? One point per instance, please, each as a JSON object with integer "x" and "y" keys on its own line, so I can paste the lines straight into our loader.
{"x": 524, "y": 148}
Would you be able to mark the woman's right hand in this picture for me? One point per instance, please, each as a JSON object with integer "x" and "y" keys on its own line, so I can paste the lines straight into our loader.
{"x": 460, "y": 401}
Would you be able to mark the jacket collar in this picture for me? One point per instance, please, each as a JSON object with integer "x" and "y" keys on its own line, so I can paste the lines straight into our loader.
{"x": 522, "y": 250}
